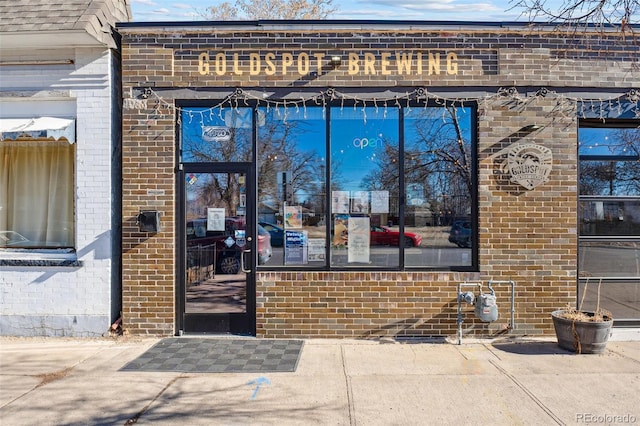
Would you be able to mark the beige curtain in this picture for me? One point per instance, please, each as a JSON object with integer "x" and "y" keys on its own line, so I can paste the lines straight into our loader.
{"x": 37, "y": 192}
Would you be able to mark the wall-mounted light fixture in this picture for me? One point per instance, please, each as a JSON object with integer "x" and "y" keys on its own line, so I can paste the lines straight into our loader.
{"x": 336, "y": 61}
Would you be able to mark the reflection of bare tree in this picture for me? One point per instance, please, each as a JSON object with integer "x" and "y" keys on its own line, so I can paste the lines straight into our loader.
{"x": 279, "y": 151}
{"x": 222, "y": 190}
{"x": 437, "y": 156}
{"x": 214, "y": 190}
{"x": 614, "y": 177}
{"x": 237, "y": 147}
{"x": 440, "y": 151}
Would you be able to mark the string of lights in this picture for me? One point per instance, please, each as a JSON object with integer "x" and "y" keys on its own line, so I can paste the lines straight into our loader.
{"x": 566, "y": 106}
{"x": 586, "y": 107}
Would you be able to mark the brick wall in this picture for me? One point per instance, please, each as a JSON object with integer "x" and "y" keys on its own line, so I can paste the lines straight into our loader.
{"x": 525, "y": 236}
{"x": 67, "y": 301}
{"x": 148, "y": 260}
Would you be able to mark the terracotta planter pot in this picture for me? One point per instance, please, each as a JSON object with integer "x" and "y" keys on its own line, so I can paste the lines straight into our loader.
{"x": 582, "y": 337}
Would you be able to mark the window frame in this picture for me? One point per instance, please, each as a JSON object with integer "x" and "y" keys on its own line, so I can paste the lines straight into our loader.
{"x": 473, "y": 266}
{"x": 43, "y": 255}
{"x": 613, "y": 123}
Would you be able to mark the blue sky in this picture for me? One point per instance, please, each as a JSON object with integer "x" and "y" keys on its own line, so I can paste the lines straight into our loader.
{"x": 447, "y": 10}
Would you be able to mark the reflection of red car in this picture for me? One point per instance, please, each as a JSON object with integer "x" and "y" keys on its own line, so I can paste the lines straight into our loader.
{"x": 385, "y": 236}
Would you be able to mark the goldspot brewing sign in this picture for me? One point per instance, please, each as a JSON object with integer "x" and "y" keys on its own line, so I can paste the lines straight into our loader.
{"x": 405, "y": 63}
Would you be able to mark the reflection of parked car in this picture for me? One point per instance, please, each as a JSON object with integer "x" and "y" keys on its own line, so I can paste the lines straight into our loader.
{"x": 460, "y": 233}
{"x": 277, "y": 233}
{"x": 385, "y": 236}
{"x": 226, "y": 245}
{"x": 11, "y": 238}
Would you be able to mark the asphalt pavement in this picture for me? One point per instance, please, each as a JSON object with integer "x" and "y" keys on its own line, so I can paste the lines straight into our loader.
{"x": 68, "y": 381}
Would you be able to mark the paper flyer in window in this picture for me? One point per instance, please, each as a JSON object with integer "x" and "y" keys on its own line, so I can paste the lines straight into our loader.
{"x": 295, "y": 247}
{"x": 360, "y": 202}
{"x": 293, "y": 217}
{"x": 340, "y": 202}
{"x": 340, "y": 232}
{"x": 379, "y": 201}
{"x": 316, "y": 249}
{"x": 215, "y": 219}
{"x": 359, "y": 236}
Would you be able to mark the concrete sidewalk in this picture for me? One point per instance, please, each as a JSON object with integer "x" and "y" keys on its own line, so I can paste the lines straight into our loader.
{"x": 337, "y": 382}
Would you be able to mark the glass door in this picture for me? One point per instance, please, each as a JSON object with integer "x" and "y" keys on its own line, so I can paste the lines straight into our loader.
{"x": 219, "y": 248}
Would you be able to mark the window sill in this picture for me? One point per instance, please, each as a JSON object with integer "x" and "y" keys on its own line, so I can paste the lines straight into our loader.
{"x": 39, "y": 257}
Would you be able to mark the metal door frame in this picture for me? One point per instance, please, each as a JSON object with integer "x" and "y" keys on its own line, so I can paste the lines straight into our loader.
{"x": 215, "y": 323}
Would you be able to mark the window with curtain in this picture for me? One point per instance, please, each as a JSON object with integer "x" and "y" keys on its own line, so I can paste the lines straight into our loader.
{"x": 37, "y": 194}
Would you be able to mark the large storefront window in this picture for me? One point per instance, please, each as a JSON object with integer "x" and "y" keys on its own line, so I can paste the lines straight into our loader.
{"x": 292, "y": 184}
{"x": 351, "y": 186}
{"x": 609, "y": 221}
{"x": 438, "y": 173}
{"x": 365, "y": 188}
{"x": 37, "y": 194}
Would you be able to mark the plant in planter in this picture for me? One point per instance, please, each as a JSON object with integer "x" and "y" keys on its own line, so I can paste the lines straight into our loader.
{"x": 583, "y": 332}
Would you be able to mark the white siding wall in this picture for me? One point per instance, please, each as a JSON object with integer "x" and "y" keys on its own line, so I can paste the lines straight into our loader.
{"x": 67, "y": 301}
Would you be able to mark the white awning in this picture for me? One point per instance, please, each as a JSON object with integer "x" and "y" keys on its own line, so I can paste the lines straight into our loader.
{"x": 38, "y": 128}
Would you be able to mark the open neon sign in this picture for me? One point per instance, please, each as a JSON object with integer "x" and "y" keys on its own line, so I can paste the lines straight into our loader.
{"x": 363, "y": 143}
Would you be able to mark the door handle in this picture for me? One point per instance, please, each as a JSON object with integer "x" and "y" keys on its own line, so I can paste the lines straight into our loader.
{"x": 244, "y": 252}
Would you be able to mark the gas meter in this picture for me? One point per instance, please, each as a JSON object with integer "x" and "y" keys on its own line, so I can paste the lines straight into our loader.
{"x": 485, "y": 307}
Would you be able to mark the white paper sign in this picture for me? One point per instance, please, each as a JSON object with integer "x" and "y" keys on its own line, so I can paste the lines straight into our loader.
{"x": 379, "y": 201}
{"x": 215, "y": 219}
{"x": 316, "y": 249}
{"x": 359, "y": 236}
{"x": 340, "y": 202}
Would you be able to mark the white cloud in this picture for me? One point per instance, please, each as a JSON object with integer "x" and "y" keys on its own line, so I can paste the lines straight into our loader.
{"x": 145, "y": 2}
{"x": 182, "y": 6}
{"x": 162, "y": 11}
{"x": 456, "y": 7}
{"x": 404, "y": 4}
{"x": 373, "y": 14}
{"x": 408, "y": 9}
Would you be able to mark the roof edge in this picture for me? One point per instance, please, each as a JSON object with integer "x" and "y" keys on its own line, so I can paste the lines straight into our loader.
{"x": 350, "y": 24}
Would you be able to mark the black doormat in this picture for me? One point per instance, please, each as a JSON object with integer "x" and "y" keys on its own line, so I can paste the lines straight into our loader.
{"x": 219, "y": 355}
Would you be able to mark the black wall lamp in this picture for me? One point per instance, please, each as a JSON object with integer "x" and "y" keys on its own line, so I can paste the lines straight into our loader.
{"x": 336, "y": 61}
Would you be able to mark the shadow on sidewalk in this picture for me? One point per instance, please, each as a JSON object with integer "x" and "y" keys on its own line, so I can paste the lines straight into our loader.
{"x": 530, "y": 347}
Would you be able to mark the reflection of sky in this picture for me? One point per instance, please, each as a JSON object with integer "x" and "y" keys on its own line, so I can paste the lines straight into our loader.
{"x": 604, "y": 141}
{"x": 194, "y": 120}
{"x": 433, "y": 129}
{"x": 358, "y": 134}
{"x": 357, "y": 141}
{"x": 309, "y": 132}
{"x": 306, "y": 127}
{"x": 436, "y": 119}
